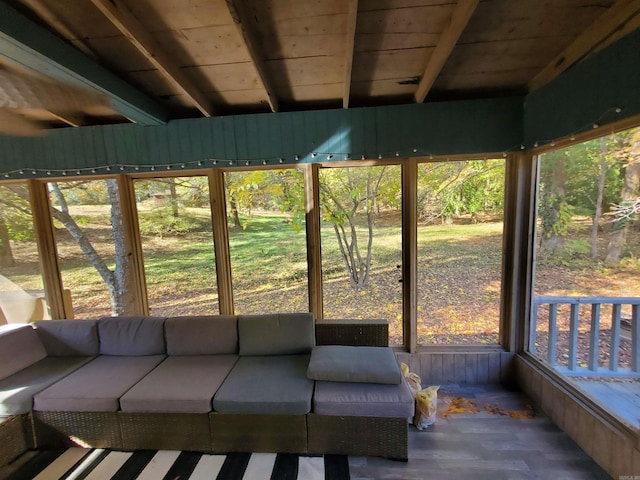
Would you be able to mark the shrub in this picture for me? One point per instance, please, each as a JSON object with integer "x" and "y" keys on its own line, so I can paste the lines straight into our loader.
{"x": 160, "y": 222}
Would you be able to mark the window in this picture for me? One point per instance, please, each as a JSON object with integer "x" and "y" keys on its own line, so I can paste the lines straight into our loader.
{"x": 89, "y": 231}
{"x": 362, "y": 244}
{"x": 460, "y": 224}
{"x": 174, "y": 216}
{"x": 267, "y": 241}
{"x": 586, "y": 285}
{"x": 21, "y": 287}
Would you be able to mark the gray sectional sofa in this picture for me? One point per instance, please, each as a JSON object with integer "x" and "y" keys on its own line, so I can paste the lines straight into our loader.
{"x": 215, "y": 383}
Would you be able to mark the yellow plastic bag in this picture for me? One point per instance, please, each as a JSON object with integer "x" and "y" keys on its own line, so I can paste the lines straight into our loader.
{"x": 426, "y": 407}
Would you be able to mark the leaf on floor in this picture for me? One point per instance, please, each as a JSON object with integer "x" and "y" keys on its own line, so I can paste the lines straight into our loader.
{"x": 527, "y": 413}
{"x": 457, "y": 405}
{"x": 460, "y": 405}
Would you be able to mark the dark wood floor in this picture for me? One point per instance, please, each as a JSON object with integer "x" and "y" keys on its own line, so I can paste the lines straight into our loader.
{"x": 485, "y": 445}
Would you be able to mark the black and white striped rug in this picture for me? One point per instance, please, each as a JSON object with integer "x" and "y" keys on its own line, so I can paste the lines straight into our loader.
{"x": 99, "y": 464}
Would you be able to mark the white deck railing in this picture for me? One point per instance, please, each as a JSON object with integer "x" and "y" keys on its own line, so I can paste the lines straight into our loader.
{"x": 589, "y": 307}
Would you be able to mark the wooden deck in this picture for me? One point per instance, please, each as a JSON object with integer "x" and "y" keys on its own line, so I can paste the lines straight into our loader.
{"x": 484, "y": 445}
{"x": 622, "y": 399}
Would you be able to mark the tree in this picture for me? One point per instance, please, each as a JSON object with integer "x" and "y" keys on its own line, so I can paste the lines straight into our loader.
{"x": 450, "y": 189}
{"x": 347, "y": 195}
{"x": 600, "y": 196}
{"x": 285, "y": 191}
{"x": 629, "y": 193}
{"x": 6, "y": 253}
{"x": 555, "y": 211}
{"x": 15, "y": 220}
{"x": 116, "y": 280}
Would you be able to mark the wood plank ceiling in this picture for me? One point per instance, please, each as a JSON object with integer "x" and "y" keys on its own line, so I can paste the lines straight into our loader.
{"x": 219, "y": 57}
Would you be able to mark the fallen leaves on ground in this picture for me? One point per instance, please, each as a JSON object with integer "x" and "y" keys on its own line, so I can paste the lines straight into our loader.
{"x": 457, "y": 405}
{"x": 460, "y": 405}
{"x": 527, "y": 413}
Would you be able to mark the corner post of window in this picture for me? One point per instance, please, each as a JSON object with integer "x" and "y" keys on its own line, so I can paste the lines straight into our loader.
{"x": 133, "y": 245}
{"x": 217, "y": 199}
{"x": 410, "y": 253}
{"x": 518, "y": 245}
{"x": 47, "y": 249}
{"x": 314, "y": 247}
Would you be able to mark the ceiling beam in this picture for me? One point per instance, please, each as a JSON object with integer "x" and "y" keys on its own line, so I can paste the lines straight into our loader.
{"x": 122, "y": 18}
{"x": 33, "y": 48}
{"x": 352, "y": 19}
{"x": 58, "y": 25}
{"x": 69, "y": 119}
{"x": 460, "y": 17}
{"x": 239, "y": 16}
{"x": 623, "y": 16}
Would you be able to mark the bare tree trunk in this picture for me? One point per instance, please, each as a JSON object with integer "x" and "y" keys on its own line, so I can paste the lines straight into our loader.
{"x": 6, "y": 253}
{"x": 174, "y": 198}
{"x": 598, "y": 212}
{"x": 115, "y": 281}
{"x": 234, "y": 212}
{"x": 346, "y": 252}
{"x": 124, "y": 291}
{"x": 630, "y": 190}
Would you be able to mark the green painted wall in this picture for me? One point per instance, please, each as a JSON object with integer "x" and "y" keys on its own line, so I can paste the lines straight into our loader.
{"x": 587, "y": 93}
{"x": 434, "y": 128}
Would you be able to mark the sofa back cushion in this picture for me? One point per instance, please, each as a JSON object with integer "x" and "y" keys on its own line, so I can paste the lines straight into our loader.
{"x": 205, "y": 335}
{"x": 69, "y": 338}
{"x": 20, "y": 347}
{"x": 131, "y": 336}
{"x": 277, "y": 334}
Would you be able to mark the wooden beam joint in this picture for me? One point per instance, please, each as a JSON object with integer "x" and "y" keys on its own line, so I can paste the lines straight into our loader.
{"x": 459, "y": 19}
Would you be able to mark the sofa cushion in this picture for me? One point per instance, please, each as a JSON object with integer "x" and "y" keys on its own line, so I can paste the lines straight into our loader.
{"x": 180, "y": 384}
{"x": 206, "y": 335}
{"x": 340, "y": 363}
{"x": 266, "y": 385}
{"x": 20, "y": 347}
{"x": 96, "y": 386}
{"x": 131, "y": 336}
{"x": 17, "y": 391}
{"x": 278, "y": 334}
{"x": 363, "y": 399}
{"x": 69, "y": 338}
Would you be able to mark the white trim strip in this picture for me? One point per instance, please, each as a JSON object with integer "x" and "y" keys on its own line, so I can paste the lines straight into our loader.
{"x": 208, "y": 467}
{"x": 159, "y": 465}
{"x": 109, "y": 466}
{"x": 62, "y": 464}
{"x": 260, "y": 466}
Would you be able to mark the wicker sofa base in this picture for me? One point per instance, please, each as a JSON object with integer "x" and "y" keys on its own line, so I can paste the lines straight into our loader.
{"x": 362, "y": 436}
{"x": 213, "y": 432}
{"x": 77, "y": 429}
{"x": 258, "y": 433}
{"x": 165, "y": 431}
{"x": 16, "y": 437}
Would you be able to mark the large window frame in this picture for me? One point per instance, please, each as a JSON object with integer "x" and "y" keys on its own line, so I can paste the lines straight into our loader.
{"x": 515, "y": 177}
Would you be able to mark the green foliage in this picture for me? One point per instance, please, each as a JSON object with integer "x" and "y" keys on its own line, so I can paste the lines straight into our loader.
{"x": 16, "y": 211}
{"x": 556, "y": 216}
{"x": 581, "y": 166}
{"x": 273, "y": 190}
{"x": 160, "y": 222}
{"x": 451, "y": 189}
